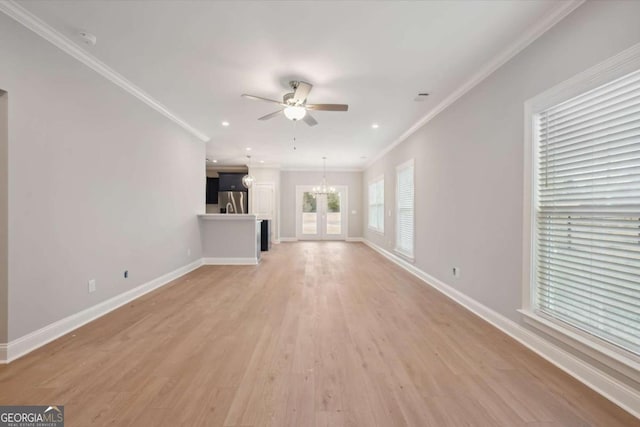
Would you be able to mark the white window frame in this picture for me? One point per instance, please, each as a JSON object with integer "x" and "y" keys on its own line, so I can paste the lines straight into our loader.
{"x": 376, "y": 181}
{"x": 613, "y": 356}
{"x": 404, "y": 253}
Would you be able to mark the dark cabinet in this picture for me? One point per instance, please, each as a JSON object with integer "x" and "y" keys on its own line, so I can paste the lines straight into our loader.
{"x": 212, "y": 191}
{"x": 264, "y": 235}
{"x": 231, "y": 182}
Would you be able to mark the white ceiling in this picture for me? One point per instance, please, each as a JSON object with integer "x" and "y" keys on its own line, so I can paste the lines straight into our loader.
{"x": 197, "y": 57}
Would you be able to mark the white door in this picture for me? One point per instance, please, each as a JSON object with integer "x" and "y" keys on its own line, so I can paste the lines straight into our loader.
{"x": 322, "y": 217}
{"x": 263, "y": 200}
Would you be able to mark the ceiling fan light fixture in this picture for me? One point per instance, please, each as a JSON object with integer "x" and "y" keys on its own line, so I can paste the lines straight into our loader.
{"x": 295, "y": 112}
{"x": 294, "y": 104}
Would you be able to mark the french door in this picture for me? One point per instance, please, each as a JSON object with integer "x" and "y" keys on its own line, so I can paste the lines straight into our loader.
{"x": 321, "y": 217}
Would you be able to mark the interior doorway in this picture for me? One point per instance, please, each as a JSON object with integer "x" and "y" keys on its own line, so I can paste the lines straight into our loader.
{"x": 321, "y": 217}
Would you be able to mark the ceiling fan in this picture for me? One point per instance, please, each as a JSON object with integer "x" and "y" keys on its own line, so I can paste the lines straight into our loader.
{"x": 295, "y": 104}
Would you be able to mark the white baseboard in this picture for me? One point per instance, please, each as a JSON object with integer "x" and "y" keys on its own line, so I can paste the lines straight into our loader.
{"x": 612, "y": 389}
{"x": 229, "y": 261}
{"x": 348, "y": 239}
{"x": 27, "y": 343}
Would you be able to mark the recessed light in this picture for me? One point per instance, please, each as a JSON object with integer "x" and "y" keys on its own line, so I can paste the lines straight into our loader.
{"x": 248, "y": 148}
{"x": 375, "y": 126}
{"x": 261, "y": 161}
{"x": 214, "y": 161}
{"x": 225, "y": 123}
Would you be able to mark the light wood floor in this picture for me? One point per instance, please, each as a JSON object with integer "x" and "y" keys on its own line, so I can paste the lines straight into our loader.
{"x": 319, "y": 334}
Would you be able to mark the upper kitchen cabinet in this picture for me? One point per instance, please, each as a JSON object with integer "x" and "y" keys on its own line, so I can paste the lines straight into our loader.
{"x": 231, "y": 182}
{"x": 212, "y": 190}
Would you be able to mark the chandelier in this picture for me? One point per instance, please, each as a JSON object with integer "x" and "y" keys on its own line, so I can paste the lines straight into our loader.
{"x": 323, "y": 188}
{"x": 247, "y": 180}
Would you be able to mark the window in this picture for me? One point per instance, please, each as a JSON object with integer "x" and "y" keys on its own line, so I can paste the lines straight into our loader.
{"x": 376, "y": 205}
{"x": 586, "y": 210}
{"x": 404, "y": 209}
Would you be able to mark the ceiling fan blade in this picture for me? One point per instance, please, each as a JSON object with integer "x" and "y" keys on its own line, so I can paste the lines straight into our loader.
{"x": 270, "y": 115}
{"x": 327, "y": 107}
{"x": 259, "y": 98}
{"x": 302, "y": 91}
{"x": 308, "y": 119}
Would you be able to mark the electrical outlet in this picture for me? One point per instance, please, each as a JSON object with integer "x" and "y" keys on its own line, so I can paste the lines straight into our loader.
{"x": 456, "y": 272}
{"x": 126, "y": 274}
{"x": 189, "y": 252}
{"x": 92, "y": 285}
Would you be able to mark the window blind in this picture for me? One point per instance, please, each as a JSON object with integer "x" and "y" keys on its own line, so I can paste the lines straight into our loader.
{"x": 405, "y": 209}
{"x": 376, "y": 205}
{"x": 587, "y": 252}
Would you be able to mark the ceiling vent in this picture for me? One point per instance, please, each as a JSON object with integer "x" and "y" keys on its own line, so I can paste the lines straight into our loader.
{"x": 88, "y": 38}
{"x": 421, "y": 97}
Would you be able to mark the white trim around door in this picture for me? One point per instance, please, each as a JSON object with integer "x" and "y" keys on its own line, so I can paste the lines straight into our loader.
{"x": 320, "y": 208}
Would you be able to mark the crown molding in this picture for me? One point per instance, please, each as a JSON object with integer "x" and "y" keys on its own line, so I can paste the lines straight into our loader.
{"x": 512, "y": 50}
{"x": 38, "y": 26}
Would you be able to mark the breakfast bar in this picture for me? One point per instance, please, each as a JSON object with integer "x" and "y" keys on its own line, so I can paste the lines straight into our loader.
{"x": 230, "y": 239}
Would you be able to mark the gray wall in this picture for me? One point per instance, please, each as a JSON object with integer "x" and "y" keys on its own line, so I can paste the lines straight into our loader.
{"x": 86, "y": 199}
{"x": 288, "y": 182}
{"x": 469, "y": 159}
{"x": 4, "y": 231}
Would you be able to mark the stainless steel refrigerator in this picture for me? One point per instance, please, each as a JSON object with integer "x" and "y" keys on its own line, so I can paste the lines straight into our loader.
{"x": 233, "y": 202}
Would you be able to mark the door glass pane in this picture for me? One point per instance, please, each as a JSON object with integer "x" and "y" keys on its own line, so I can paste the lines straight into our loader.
{"x": 309, "y": 214}
{"x": 334, "y": 214}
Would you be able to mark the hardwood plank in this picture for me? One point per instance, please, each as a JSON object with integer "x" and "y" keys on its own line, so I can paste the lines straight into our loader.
{"x": 319, "y": 334}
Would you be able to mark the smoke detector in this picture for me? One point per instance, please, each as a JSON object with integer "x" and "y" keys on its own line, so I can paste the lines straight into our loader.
{"x": 88, "y": 38}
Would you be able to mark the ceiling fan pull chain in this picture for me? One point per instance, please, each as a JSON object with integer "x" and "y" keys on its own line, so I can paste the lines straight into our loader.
{"x": 295, "y": 123}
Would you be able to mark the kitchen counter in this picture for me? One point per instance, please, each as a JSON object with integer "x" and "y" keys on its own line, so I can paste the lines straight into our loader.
{"x": 228, "y": 217}
{"x": 230, "y": 239}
